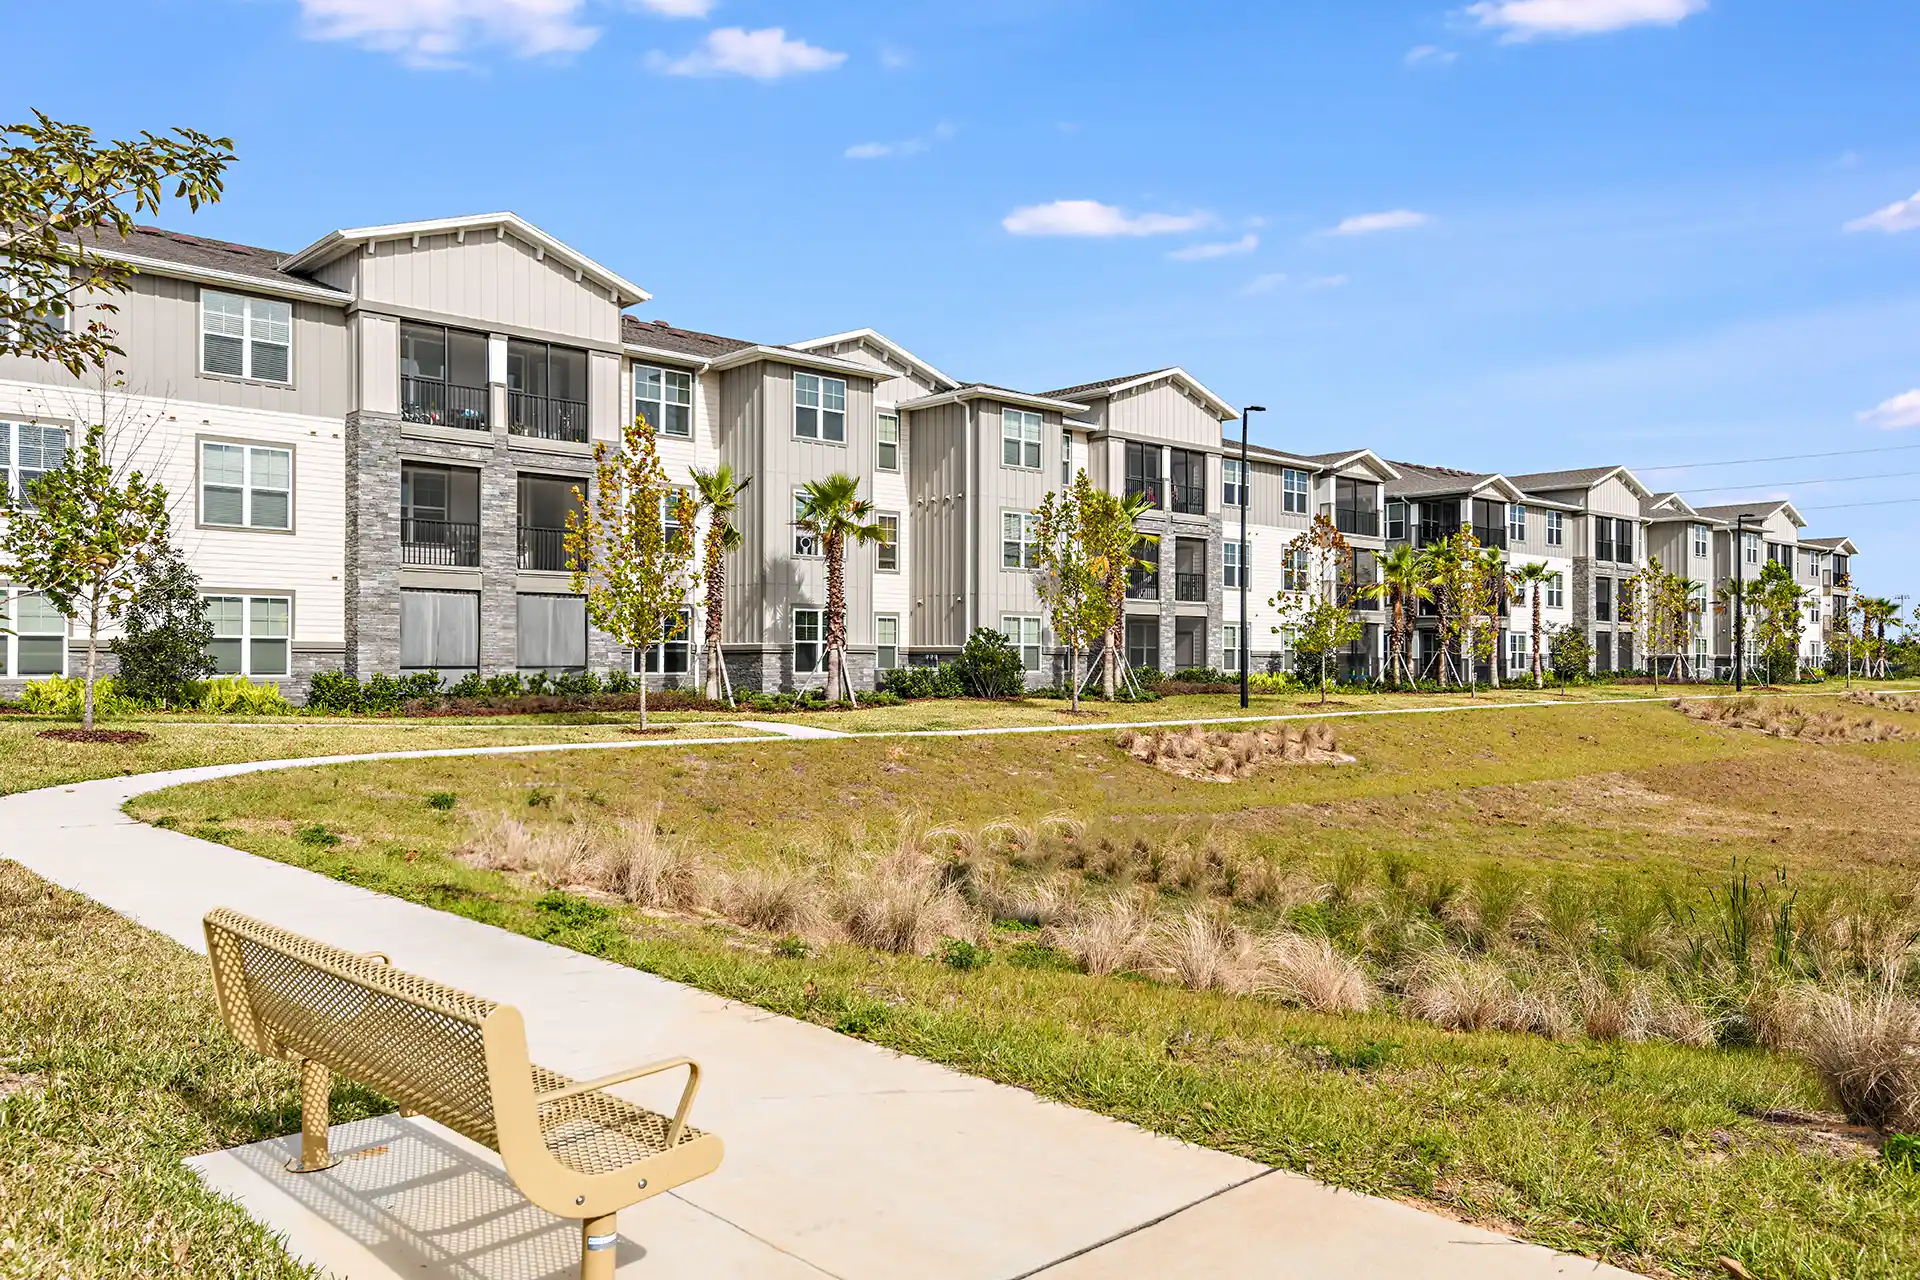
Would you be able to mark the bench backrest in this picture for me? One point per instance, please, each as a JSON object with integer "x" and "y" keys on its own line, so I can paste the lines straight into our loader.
{"x": 415, "y": 1040}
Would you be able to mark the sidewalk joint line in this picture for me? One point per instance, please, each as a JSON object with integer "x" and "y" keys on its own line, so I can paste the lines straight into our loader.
{"x": 1139, "y": 1227}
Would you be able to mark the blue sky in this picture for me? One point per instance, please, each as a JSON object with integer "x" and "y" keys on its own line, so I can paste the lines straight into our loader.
{"x": 1514, "y": 234}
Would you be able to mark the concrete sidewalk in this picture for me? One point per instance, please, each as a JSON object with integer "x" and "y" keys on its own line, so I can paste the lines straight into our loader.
{"x": 843, "y": 1159}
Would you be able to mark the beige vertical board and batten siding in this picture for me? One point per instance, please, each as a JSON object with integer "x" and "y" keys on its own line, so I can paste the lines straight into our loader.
{"x": 158, "y": 327}
{"x": 1008, "y": 488}
{"x": 1165, "y": 412}
{"x": 490, "y": 278}
{"x": 937, "y": 492}
{"x": 740, "y": 421}
{"x": 1613, "y": 497}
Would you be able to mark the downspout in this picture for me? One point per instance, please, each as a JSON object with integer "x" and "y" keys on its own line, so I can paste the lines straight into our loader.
{"x": 967, "y": 465}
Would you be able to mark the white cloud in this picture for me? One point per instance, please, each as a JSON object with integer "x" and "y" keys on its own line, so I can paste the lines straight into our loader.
{"x": 434, "y": 33}
{"x": 1901, "y": 411}
{"x": 1222, "y": 249}
{"x": 1326, "y": 282}
{"x": 1529, "y": 19}
{"x": 907, "y": 147}
{"x": 676, "y": 8}
{"x": 1365, "y": 224}
{"x": 894, "y": 58}
{"x": 1901, "y": 215}
{"x": 1430, "y": 54}
{"x": 1263, "y": 284}
{"x": 765, "y": 54}
{"x": 1091, "y": 218}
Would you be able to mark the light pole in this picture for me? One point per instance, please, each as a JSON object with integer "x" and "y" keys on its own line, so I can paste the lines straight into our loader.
{"x": 1246, "y": 645}
{"x": 1740, "y": 602}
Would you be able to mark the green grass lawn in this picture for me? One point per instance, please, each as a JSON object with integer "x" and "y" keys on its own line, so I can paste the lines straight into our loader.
{"x": 1657, "y": 1157}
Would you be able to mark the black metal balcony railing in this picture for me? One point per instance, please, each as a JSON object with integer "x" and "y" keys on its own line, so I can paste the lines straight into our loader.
{"x": 546, "y": 418}
{"x": 444, "y": 543}
{"x": 1189, "y": 499}
{"x": 1149, "y": 489}
{"x": 1491, "y": 535}
{"x": 1352, "y": 519}
{"x": 1352, "y": 595}
{"x": 1190, "y": 588}
{"x": 443, "y": 404}
{"x": 543, "y": 550}
{"x": 1143, "y": 586}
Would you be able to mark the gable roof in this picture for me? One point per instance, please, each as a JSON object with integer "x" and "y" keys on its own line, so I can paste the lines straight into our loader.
{"x": 336, "y": 243}
{"x": 1732, "y": 512}
{"x": 658, "y": 335}
{"x": 1416, "y": 481}
{"x": 1582, "y": 478}
{"x": 1843, "y": 545}
{"x": 886, "y": 344}
{"x": 216, "y": 261}
{"x": 1670, "y": 506}
{"x": 987, "y": 391}
{"x": 1113, "y": 386}
{"x": 1348, "y": 457}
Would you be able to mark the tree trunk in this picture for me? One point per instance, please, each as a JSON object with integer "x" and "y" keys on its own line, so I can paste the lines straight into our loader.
{"x": 643, "y": 701}
{"x": 1073, "y": 677}
{"x": 1110, "y": 663}
{"x": 1537, "y": 682}
{"x": 716, "y": 617}
{"x": 1323, "y": 679}
{"x": 93, "y": 665}
{"x": 836, "y": 637}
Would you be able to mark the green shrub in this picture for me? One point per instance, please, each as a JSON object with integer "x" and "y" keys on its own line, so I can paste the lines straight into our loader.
{"x": 64, "y": 696}
{"x": 238, "y": 696}
{"x": 908, "y": 682}
{"x": 958, "y": 953}
{"x": 316, "y": 837}
{"x": 162, "y": 649}
{"x": 441, "y": 800}
{"x": 1902, "y": 1151}
{"x": 334, "y": 692}
{"x": 989, "y": 666}
{"x": 792, "y": 947}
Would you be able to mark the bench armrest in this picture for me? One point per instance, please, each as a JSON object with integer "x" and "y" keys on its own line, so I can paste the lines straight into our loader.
{"x": 636, "y": 1073}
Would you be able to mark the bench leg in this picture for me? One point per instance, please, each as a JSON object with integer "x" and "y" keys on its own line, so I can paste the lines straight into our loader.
{"x": 599, "y": 1238}
{"x": 314, "y": 1156}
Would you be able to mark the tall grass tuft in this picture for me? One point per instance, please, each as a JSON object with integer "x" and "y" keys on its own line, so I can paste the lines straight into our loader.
{"x": 1109, "y": 937}
{"x": 1864, "y": 1044}
{"x": 1312, "y": 973}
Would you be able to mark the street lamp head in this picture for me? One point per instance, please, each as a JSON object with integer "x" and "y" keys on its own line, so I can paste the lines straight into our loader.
{"x": 1255, "y": 408}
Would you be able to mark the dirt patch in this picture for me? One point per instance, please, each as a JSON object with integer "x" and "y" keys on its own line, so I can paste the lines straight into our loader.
{"x": 1823, "y": 1134}
{"x": 121, "y": 737}
{"x": 1219, "y": 756}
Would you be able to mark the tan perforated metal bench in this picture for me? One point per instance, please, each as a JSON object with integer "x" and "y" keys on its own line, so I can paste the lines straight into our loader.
{"x": 571, "y": 1148}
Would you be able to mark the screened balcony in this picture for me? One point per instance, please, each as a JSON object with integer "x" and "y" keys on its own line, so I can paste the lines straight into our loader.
{"x": 443, "y": 377}
{"x": 439, "y": 516}
{"x": 547, "y": 392}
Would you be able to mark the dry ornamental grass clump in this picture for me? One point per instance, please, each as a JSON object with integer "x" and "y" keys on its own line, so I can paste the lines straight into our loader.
{"x": 1778, "y": 720}
{"x": 1219, "y": 756}
{"x": 1864, "y": 1044}
{"x": 1886, "y": 700}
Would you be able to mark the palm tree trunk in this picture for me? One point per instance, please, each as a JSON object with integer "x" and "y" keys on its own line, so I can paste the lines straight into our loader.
{"x": 1536, "y": 636}
{"x": 716, "y": 614}
{"x": 836, "y": 637}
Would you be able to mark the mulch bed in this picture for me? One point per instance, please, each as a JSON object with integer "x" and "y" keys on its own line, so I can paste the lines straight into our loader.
{"x": 120, "y": 737}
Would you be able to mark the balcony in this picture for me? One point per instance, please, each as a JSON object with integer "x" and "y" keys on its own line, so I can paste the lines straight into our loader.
{"x": 1188, "y": 499}
{"x": 546, "y": 417}
{"x": 1190, "y": 588}
{"x": 1143, "y": 586}
{"x": 445, "y": 544}
{"x": 543, "y": 550}
{"x": 1491, "y": 535}
{"x": 442, "y": 404}
{"x": 1354, "y": 520}
{"x": 1148, "y": 489}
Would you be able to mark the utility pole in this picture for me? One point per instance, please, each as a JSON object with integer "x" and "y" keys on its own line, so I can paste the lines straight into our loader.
{"x": 1246, "y": 478}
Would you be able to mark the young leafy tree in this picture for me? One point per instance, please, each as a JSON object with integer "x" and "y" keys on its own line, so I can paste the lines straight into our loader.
{"x": 1313, "y": 615}
{"x": 631, "y": 564}
{"x": 1111, "y": 535}
{"x": 162, "y": 650}
{"x": 63, "y": 195}
{"x": 1455, "y": 565}
{"x": 1491, "y": 589}
{"x": 1690, "y": 608}
{"x": 1569, "y": 653}
{"x": 1657, "y": 603}
{"x": 834, "y": 512}
{"x": 1406, "y": 578}
{"x": 717, "y": 493}
{"x": 82, "y": 540}
{"x": 1067, "y": 581}
{"x": 1531, "y": 580}
{"x": 1778, "y": 599}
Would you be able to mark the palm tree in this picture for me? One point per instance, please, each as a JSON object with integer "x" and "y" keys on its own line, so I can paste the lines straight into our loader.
{"x": 718, "y": 493}
{"x": 1499, "y": 590}
{"x": 1694, "y": 593}
{"x": 1532, "y": 579}
{"x": 833, "y": 511}
{"x": 1405, "y": 578}
{"x": 1114, "y": 540}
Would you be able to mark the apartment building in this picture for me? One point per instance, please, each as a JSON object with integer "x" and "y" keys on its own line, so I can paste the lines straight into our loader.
{"x": 373, "y": 444}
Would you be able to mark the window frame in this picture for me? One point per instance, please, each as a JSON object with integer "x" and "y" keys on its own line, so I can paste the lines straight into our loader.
{"x": 248, "y": 488}
{"x": 881, "y": 660}
{"x": 1516, "y": 522}
{"x": 1700, "y": 541}
{"x": 1396, "y": 519}
{"x": 1230, "y": 647}
{"x": 804, "y": 537}
{"x": 1230, "y": 562}
{"x": 11, "y": 635}
{"x": 659, "y": 419}
{"x": 1290, "y": 492}
{"x": 821, "y": 392}
{"x": 1066, "y": 459}
{"x": 247, "y": 337}
{"x": 887, "y": 549}
{"x": 818, "y": 643}
{"x": 1027, "y": 442}
{"x": 1556, "y": 528}
{"x": 1026, "y": 542}
{"x": 13, "y": 485}
{"x": 1296, "y": 574}
{"x": 881, "y": 443}
{"x": 1556, "y": 591}
{"x": 1232, "y": 483}
{"x": 247, "y": 637}
{"x": 1028, "y": 636}
{"x": 652, "y": 660}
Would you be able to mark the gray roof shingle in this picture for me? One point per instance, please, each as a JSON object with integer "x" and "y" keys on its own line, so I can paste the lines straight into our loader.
{"x": 1579, "y": 478}
{"x": 662, "y": 336}
{"x": 198, "y": 251}
{"x": 1416, "y": 480}
{"x": 1074, "y": 393}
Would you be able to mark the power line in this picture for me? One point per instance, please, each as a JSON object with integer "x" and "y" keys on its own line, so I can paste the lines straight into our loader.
{"x": 1844, "y": 506}
{"x": 1780, "y": 484}
{"x": 1786, "y": 457}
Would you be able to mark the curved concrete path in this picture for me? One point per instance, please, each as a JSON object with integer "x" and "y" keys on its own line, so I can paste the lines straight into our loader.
{"x": 843, "y": 1159}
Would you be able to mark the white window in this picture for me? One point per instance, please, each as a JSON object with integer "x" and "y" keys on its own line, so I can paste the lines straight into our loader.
{"x": 673, "y": 656}
{"x": 550, "y": 632}
{"x": 28, "y": 450}
{"x": 664, "y": 397}
{"x": 252, "y": 635}
{"x": 1700, "y": 646}
{"x": 1293, "y": 491}
{"x": 1396, "y": 521}
{"x": 33, "y": 635}
{"x": 1020, "y": 438}
{"x": 1750, "y": 547}
{"x": 886, "y": 640}
{"x": 886, "y": 435}
{"x": 1019, "y": 540}
{"x": 1232, "y": 490}
{"x": 819, "y": 407}
{"x": 1556, "y": 528}
{"x": 1024, "y": 635}
{"x": 1230, "y": 647}
{"x": 1230, "y": 563}
{"x": 246, "y": 337}
{"x": 1293, "y": 570}
{"x": 1517, "y": 522}
{"x": 887, "y": 554}
{"x": 1813, "y": 609}
{"x": 246, "y": 486}
{"x": 1066, "y": 459}
{"x": 1516, "y": 650}
{"x": 1556, "y": 592}
{"x": 1700, "y": 549}
{"x": 439, "y": 630}
{"x": 805, "y": 541}
{"x": 807, "y": 647}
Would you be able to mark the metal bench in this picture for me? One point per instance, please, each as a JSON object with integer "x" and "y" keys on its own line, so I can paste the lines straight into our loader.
{"x": 570, "y": 1147}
